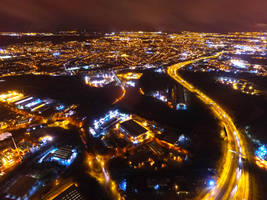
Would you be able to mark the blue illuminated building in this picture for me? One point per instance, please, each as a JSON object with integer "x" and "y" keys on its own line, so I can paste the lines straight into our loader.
{"x": 33, "y": 103}
{"x": 43, "y": 158}
{"x": 181, "y": 106}
{"x": 156, "y": 187}
{"x": 123, "y": 185}
{"x": 183, "y": 140}
{"x": 253, "y": 71}
{"x": 60, "y": 107}
{"x": 62, "y": 155}
{"x": 29, "y": 184}
{"x": 211, "y": 183}
{"x": 159, "y": 96}
{"x": 56, "y": 54}
{"x": 261, "y": 152}
{"x": 86, "y": 67}
{"x": 159, "y": 70}
{"x": 102, "y": 124}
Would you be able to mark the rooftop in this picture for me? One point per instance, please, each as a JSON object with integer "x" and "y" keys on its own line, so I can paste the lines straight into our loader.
{"x": 72, "y": 193}
{"x": 132, "y": 128}
{"x": 63, "y": 153}
{"x": 22, "y": 186}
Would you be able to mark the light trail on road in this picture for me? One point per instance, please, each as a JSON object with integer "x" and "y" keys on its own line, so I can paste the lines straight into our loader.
{"x": 122, "y": 95}
{"x": 97, "y": 169}
{"x": 233, "y": 181}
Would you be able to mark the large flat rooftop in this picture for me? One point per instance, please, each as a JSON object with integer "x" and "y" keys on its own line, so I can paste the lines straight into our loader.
{"x": 22, "y": 186}
{"x": 132, "y": 128}
{"x": 72, "y": 193}
{"x": 63, "y": 153}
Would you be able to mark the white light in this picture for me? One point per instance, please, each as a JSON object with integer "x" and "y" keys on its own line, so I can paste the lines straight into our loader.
{"x": 5, "y": 57}
{"x": 239, "y": 63}
{"x": 211, "y": 183}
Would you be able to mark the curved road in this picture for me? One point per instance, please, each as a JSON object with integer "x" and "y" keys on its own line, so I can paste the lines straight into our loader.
{"x": 233, "y": 181}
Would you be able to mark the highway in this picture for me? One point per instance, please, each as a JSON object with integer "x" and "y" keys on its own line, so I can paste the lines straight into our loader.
{"x": 122, "y": 95}
{"x": 123, "y": 89}
{"x": 233, "y": 181}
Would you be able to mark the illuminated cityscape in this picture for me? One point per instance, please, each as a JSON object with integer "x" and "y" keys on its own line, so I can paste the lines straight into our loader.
{"x": 120, "y": 100}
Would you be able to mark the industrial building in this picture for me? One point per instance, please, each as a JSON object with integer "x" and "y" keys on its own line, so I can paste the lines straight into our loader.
{"x": 31, "y": 103}
{"x": 71, "y": 193}
{"x": 101, "y": 125}
{"x": 133, "y": 130}
{"x": 23, "y": 188}
{"x": 99, "y": 80}
{"x": 6, "y": 141}
{"x": 63, "y": 155}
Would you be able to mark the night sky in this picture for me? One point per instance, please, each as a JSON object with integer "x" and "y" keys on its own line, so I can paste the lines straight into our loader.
{"x": 120, "y": 15}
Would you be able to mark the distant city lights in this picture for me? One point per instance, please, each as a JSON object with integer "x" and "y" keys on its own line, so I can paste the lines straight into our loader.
{"x": 239, "y": 64}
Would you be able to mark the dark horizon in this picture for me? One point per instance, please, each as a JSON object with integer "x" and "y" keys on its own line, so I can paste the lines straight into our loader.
{"x": 145, "y": 15}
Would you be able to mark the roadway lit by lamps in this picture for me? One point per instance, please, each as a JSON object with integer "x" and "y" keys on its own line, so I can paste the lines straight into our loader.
{"x": 232, "y": 176}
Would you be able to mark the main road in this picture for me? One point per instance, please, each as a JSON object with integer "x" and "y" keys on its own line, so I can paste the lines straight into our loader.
{"x": 233, "y": 181}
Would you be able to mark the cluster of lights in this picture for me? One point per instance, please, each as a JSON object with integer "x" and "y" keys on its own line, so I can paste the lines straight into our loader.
{"x": 261, "y": 163}
{"x": 4, "y": 57}
{"x": 131, "y": 83}
{"x": 33, "y": 103}
{"x": 110, "y": 115}
{"x": 46, "y": 154}
{"x": 261, "y": 152}
{"x": 239, "y": 63}
{"x": 241, "y": 85}
{"x": 11, "y": 96}
{"x": 130, "y": 76}
{"x": 159, "y": 96}
{"x": 11, "y": 157}
{"x": 46, "y": 139}
{"x": 43, "y": 141}
{"x": 123, "y": 185}
{"x": 68, "y": 161}
{"x": 98, "y": 123}
{"x": 249, "y": 50}
{"x": 56, "y": 54}
{"x": 29, "y": 103}
{"x": 182, "y": 139}
{"x": 226, "y": 80}
{"x": 65, "y": 162}
{"x": 16, "y": 34}
{"x": 100, "y": 80}
{"x": 159, "y": 70}
{"x": 60, "y": 107}
{"x": 113, "y": 48}
{"x": 181, "y": 106}
{"x": 211, "y": 183}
